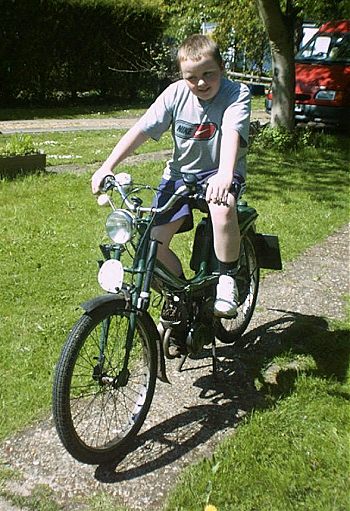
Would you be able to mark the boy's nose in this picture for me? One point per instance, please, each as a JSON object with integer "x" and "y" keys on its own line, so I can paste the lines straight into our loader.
{"x": 201, "y": 83}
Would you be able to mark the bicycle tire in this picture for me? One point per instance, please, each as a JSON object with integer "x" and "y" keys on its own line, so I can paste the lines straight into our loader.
{"x": 247, "y": 279}
{"x": 96, "y": 414}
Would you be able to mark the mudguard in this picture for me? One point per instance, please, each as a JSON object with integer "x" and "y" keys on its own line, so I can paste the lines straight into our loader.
{"x": 98, "y": 301}
{"x": 268, "y": 251}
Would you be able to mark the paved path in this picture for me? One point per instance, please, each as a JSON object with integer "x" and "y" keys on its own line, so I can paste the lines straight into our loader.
{"x": 44, "y": 125}
{"x": 190, "y": 417}
{"x": 104, "y": 123}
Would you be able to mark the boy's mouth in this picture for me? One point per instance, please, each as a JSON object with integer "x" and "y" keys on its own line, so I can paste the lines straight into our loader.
{"x": 204, "y": 91}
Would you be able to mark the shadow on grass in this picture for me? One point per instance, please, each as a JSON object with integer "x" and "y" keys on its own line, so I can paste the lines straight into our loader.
{"x": 293, "y": 335}
{"x": 233, "y": 392}
{"x": 316, "y": 179}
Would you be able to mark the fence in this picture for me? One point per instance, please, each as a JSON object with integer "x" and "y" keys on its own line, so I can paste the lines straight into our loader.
{"x": 257, "y": 84}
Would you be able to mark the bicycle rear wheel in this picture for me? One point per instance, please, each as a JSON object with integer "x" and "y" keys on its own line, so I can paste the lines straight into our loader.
{"x": 247, "y": 280}
{"x": 102, "y": 391}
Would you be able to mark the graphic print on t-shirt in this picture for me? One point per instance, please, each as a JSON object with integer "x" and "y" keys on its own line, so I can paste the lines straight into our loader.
{"x": 203, "y": 131}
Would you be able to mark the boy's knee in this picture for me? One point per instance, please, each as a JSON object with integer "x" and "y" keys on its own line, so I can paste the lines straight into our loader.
{"x": 224, "y": 214}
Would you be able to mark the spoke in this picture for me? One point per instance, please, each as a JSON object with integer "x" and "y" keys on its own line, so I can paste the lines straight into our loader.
{"x": 104, "y": 413}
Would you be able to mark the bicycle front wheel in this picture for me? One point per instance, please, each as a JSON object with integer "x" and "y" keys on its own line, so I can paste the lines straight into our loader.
{"x": 102, "y": 388}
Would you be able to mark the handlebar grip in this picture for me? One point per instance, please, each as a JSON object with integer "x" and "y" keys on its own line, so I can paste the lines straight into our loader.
{"x": 107, "y": 183}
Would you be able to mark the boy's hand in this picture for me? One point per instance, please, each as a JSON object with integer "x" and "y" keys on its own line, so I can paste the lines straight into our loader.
{"x": 98, "y": 177}
{"x": 218, "y": 188}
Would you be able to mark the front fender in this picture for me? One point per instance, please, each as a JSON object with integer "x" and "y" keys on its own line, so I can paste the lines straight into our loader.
{"x": 98, "y": 301}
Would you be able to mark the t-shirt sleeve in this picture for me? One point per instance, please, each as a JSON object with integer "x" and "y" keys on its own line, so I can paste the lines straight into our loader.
{"x": 237, "y": 115}
{"x": 158, "y": 117}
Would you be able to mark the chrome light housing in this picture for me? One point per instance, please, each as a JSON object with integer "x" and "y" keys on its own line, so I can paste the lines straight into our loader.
{"x": 120, "y": 226}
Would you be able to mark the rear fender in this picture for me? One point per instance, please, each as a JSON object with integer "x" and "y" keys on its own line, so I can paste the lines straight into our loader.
{"x": 268, "y": 251}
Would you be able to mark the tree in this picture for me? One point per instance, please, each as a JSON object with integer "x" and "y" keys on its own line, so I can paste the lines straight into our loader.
{"x": 257, "y": 24}
{"x": 280, "y": 27}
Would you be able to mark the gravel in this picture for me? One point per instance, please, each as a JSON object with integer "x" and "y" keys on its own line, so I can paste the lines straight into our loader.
{"x": 188, "y": 418}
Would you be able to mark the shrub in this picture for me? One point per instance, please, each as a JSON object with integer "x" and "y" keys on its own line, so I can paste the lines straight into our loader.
{"x": 301, "y": 137}
{"x": 19, "y": 145}
{"x": 65, "y": 48}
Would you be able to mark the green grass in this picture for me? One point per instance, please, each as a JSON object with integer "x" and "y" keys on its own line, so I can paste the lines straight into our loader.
{"x": 293, "y": 455}
{"x": 51, "y": 228}
{"x": 83, "y": 147}
{"x": 88, "y": 111}
{"x": 72, "y": 112}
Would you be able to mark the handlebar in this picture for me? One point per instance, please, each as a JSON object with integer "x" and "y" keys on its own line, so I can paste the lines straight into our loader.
{"x": 191, "y": 189}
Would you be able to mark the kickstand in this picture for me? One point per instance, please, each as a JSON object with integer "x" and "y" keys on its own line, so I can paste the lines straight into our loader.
{"x": 181, "y": 363}
{"x": 214, "y": 358}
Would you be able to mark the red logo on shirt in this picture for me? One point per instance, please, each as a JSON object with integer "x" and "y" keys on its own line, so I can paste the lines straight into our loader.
{"x": 204, "y": 131}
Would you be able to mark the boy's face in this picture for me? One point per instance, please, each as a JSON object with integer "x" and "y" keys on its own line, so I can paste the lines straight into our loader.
{"x": 203, "y": 77}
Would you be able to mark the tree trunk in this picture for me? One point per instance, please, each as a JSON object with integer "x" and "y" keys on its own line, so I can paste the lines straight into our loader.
{"x": 283, "y": 87}
{"x": 280, "y": 30}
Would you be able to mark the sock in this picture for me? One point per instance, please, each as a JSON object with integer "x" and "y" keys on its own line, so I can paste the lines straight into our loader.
{"x": 228, "y": 268}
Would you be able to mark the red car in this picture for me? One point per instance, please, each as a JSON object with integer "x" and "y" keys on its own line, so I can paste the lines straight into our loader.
{"x": 322, "y": 77}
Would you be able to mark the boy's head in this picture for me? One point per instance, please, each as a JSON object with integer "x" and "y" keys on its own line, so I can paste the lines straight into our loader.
{"x": 201, "y": 65}
{"x": 197, "y": 46}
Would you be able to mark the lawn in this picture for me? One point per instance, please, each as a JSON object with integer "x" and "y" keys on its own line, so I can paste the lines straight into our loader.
{"x": 87, "y": 110}
{"x": 51, "y": 228}
{"x": 293, "y": 455}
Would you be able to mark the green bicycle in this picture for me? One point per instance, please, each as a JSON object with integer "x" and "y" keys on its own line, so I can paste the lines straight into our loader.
{"x": 106, "y": 374}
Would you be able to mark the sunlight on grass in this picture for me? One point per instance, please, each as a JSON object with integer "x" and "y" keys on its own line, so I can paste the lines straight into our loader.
{"x": 83, "y": 147}
{"x": 51, "y": 228}
{"x": 294, "y": 454}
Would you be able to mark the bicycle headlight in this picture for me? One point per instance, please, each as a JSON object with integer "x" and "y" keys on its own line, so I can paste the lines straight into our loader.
{"x": 120, "y": 226}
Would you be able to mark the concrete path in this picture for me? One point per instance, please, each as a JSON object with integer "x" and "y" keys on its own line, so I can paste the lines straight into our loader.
{"x": 44, "y": 125}
{"x": 104, "y": 123}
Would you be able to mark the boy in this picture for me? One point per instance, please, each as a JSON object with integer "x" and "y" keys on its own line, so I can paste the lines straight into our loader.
{"x": 209, "y": 119}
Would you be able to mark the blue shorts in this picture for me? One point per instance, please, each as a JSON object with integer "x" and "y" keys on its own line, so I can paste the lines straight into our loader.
{"x": 182, "y": 208}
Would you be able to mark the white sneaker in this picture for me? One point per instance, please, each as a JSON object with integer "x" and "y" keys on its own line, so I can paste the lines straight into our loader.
{"x": 227, "y": 299}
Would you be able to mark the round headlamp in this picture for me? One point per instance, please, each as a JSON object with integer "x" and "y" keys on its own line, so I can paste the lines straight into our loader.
{"x": 120, "y": 226}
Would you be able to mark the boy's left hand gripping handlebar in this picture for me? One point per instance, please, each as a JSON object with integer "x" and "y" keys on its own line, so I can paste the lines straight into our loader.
{"x": 110, "y": 181}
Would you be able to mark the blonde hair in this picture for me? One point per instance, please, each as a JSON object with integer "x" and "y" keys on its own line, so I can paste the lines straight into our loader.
{"x": 197, "y": 46}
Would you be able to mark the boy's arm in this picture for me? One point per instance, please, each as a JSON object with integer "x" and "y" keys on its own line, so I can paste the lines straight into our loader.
{"x": 126, "y": 145}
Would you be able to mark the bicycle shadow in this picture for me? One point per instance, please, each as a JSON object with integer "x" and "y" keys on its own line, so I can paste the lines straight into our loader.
{"x": 246, "y": 380}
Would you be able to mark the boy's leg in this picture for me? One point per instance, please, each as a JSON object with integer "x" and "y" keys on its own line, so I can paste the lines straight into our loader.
{"x": 226, "y": 245}
{"x": 164, "y": 234}
{"x": 225, "y": 230}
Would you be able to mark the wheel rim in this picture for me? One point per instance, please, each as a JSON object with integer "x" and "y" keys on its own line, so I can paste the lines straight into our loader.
{"x": 105, "y": 402}
{"x": 247, "y": 281}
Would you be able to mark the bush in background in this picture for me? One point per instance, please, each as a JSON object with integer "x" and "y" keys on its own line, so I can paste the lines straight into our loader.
{"x": 52, "y": 49}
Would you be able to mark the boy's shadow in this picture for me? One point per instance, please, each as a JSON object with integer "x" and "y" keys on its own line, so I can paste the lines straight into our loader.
{"x": 246, "y": 380}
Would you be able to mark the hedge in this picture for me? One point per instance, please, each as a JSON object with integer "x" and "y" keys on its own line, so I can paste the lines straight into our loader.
{"x": 55, "y": 47}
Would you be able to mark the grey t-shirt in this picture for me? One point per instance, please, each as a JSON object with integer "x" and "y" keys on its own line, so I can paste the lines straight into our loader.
{"x": 197, "y": 125}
